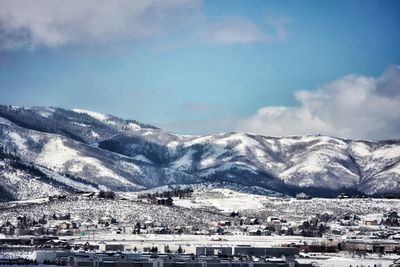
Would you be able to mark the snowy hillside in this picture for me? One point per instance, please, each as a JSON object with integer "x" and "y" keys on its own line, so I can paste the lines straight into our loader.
{"x": 80, "y": 125}
{"x": 61, "y": 150}
{"x": 281, "y": 164}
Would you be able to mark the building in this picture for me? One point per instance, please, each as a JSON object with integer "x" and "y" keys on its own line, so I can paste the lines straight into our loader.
{"x": 161, "y": 201}
{"x": 302, "y": 196}
{"x": 50, "y": 256}
{"x": 111, "y": 247}
{"x": 248, "y": 251}
{"x": 171, "y": 260}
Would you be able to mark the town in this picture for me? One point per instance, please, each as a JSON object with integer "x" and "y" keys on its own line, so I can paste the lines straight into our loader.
{"x": 157, "y": 223}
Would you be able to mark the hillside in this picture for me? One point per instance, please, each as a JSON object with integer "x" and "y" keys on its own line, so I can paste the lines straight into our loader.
{"x": 60, "y": 150}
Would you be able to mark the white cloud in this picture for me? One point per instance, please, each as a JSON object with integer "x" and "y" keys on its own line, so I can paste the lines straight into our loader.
{"x": 53, "y": 23}
{"x": 56, "y": 22}
{"x": 353, "y": 106}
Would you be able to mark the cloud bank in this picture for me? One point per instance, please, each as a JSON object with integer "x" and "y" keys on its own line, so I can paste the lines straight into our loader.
{"x": 54, "y": 23}
{"x": 353, "y": 106}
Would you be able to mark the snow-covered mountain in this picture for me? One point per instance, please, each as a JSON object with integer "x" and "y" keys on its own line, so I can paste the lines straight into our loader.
{"x": 51, "y": 150}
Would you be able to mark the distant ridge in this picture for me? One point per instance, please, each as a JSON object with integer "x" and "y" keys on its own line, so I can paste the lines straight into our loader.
{"x": 45, "y": 151}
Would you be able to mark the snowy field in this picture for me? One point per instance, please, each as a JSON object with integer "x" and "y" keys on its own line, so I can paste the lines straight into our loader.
{"x": 226, "y": 200}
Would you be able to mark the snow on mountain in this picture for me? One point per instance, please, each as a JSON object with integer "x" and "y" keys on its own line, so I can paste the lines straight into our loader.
{"x": 82, "y": 150}
{"x": 96, "y": 115}
{"x": 57, "y": 156}
{"x": 73, "y": 165}
{"x": 143, "y": 159}
{"x": 185, "y": 162}
{"x": 324, "y": 158}
{"x": 18, "y": 183}
{"x": 277, "y": 163}
{"x": 379, "y": 165}
{"x": 5, "y": 121}
{"x": 46, "y": 112}
{"x": 133, "y": 126}
{"x": 78, "y": 124}
{"x": 18, "y": 141}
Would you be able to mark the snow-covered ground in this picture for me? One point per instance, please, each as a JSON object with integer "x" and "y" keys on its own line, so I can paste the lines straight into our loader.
{"x": 206, "y": 207}
{"x": 223, "y": 199}
{"x": 337, "y": 261}
{"x": 228, "y": 200}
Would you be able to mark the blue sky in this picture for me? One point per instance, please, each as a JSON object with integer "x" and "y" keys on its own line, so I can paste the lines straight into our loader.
{"x": 197, "y": 67}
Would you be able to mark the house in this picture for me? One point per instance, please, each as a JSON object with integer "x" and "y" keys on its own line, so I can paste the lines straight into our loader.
{"x": 178, "y": 230}
{"x": 65, "y": 232}
{"x": 148, "y": 224}
{"x": 392, "y": 219}
{"x": 160, "y": 230}
{"x": 224, "y": 223}
{"x": 255, "y": 232}
{"x": 395, "y": 237}
{"x": 65, "y": 225}
{"x": 254, "y": 221}
{"x": 302, "y": 196}
{"x": 336, "y": 231}
{"x": 160, "y": 200}
{"x": 117, "y": 231}
{"x": 370, "y": 222}
{"x": 62, "y": 216}
{"x": 317, "y": 248}
{"x": 107, "y": 220}
{"x": 110, "y": 247}
{"x": 271, "y": 219}
{"x": 42, "y": 256}
{"x": 165, "y": 201}
{"x": 88, "y": 246}
{"x": 21, "y": 231}
{"x": 219, "y": 251}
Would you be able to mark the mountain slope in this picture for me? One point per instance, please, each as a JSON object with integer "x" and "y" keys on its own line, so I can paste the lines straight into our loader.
{"x": 73, "y": 165}
{"x": 80, "y": 125}
{"x": 84, "y": 150}
{"x": 299, "y": 161}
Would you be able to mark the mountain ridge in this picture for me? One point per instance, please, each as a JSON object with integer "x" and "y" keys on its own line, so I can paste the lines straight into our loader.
{"x": 105, "y": 151}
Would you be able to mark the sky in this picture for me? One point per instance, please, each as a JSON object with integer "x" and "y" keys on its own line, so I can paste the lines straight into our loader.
{"x": 199, "y": 67}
